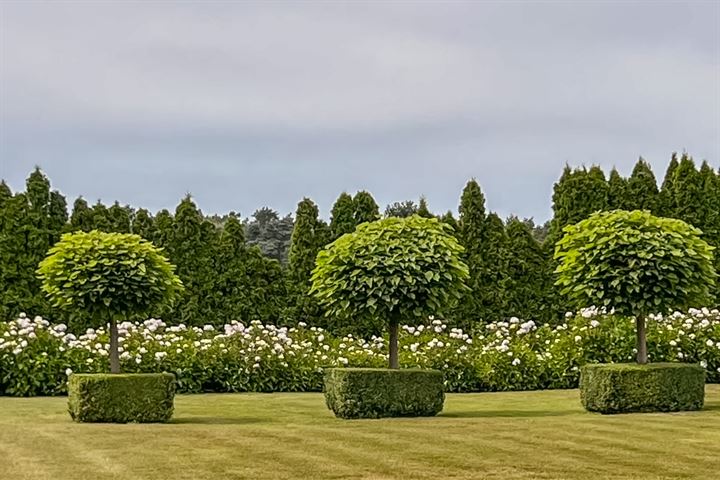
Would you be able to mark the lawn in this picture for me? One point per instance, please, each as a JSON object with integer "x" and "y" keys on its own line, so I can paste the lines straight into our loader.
{"x": 518, "y": 435}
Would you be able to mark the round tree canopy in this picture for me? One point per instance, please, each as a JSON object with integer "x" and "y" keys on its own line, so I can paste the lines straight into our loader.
{"x": 108, "y": 276}
{"x": 634, "y": 263}
{"x": 396, "y": 269}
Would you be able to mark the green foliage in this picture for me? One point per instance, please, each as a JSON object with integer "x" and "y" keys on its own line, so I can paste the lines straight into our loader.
{"x": 309, "y": 236}
{"x": 82, "y": 217}
{"x": 377, "y": 393}
{"x": 578, "y": 194}
{"x": 366, "y": 210}
{"x": 617, "y": 191}
{"x": 404, "y": 209}
{"x": 143, "y": 224}
{"x": 449, "y": 220}
{"x": 657, "y": 387}
{"x": 119, "y": 218}
{"x": 528, "y": 280}
{"x": 423, "y": 210}
{"x": 471, "y": 233}
{"x": 108, "y": 276}
{"x": 271, "y": 233}
{"x": 342, "y": 216}
{"x": 635, "y": 263}
{"x": 666, "y": 201}
{"x": 35, "y": 356}
{"x": 687, "y": 191}
{"x": 390, "y": 270}
{"x": 642, "y": 190}
{"x": 141, "y": 398}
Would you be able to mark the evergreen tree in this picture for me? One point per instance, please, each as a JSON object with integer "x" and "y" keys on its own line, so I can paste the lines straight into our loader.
{"x": 617, "y": 191}
{"x": 82, "y": 217}
{"x": 687, "y": 192}
{"x": 401, "y": 209}
{"x": 308, "y": 237}
{"x": 192, "y": 249}
{"x": 423, "y": 209}
{"x": 493, "y": 295}
{"x": 642, "y": 190}
{"x": 119, "y": 218}
{"x": 666, "y": 207}
{"x": 163, "y": 227}
{"x": 578, "y": 194}
{"x": 471, "y": 233}
{"x": 271, "y": 233}
{"x": 5, "y": 193}
{"x": 342, "y": 216}
{"x": 449, "y": 219}
{"x": 366, "y": 210}
{"x": 143, "y": 224}
{"x": 528, "y": 280}
{"x": 101, "y": 220}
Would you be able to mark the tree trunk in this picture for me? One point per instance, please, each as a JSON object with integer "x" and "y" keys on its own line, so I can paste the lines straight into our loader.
{"x": 394, "y": 361}
{"x": 114, "y": 355}
{"x": 642, "y": 357}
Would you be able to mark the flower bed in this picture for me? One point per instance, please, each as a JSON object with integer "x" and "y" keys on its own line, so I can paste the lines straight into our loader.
{"x": 36, "y": 356}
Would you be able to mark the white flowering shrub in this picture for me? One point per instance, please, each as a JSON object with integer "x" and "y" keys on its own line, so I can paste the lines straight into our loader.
{"x": 36, "y": 356}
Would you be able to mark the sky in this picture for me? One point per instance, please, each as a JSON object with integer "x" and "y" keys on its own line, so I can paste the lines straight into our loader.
{"x": 246, "y": 105}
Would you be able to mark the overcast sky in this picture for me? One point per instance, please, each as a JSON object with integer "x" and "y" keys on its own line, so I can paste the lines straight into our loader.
{"x": 252, "y": 104}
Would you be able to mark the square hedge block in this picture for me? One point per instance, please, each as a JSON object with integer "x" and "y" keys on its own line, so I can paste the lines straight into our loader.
{"x": 121, "y": 398}
{"x": 653, "y": 387}
{"x": 379, "y": 392}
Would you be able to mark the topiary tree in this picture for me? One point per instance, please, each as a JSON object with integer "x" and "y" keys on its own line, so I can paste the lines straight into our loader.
{"x": 636, "y": 264}
{"x": 396, "y": 269}
{"x": 108, "y": 277}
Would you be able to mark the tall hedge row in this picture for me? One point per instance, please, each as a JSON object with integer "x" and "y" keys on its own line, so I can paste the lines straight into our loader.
{"x": 260, "y": 268}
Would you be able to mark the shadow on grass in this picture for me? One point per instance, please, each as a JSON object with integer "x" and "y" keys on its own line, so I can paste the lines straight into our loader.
{"x": 202, "y": 420}
{"x": 510, "y": 413}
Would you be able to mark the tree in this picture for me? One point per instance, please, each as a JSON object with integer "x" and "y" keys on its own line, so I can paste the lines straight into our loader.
{"x": 423, "y": 210}
{"x": 143, "y": 224}
{"x": 449, "y": 219}
{"x": 5, "y": 193}
{"x": 617, "y": 191}
{"x": 666, "y": 207}
{"x": 636, "y": 264}
{"x": 162, "y": 234}
{"x": 366, "y": 210}
{"x": 119, "y": 218}
{"x": 687, "y": 194}
{"x": 308, "y": 237}
{"x": 403, "y": 209}
{"x": 271, "y": 233}
{"x": 642, "y": 190}
{"x": 494, "y": 273}
{"x": 471, "y": 233}
{"x": 342, "y": 216}
{"x": 528, "y": 282}
{"x": 109, "y": 277}
{"x": 391, "y": 270}
{"x": 578, "y": 194}
{"x": 82, "y": 216}
{"x": 101, "y": 220}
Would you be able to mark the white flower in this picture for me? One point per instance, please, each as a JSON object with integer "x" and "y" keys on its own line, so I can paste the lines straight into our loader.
{"x": 160, "y": 355}
{"x": 709, "y": 343}
{"x": 578, "y": 338}
{"x": 68, "y": 371}
{"x": 703, "y": 363}
{"x": 516, "y": 362}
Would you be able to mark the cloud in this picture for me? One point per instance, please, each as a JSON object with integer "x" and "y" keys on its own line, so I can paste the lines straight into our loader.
{"x": 144, "y": 101}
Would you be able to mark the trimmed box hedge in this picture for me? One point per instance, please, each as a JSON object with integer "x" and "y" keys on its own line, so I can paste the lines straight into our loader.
{"x": 121, "y": 398}
{"x": 380, "y": 392}
{"x": 653, "y": 387}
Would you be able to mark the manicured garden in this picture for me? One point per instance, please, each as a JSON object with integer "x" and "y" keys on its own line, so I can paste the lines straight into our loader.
{"x": 508, "y": 435}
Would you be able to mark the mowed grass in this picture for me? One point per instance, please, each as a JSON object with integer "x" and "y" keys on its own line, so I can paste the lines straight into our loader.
{"x": 518, "y": 435}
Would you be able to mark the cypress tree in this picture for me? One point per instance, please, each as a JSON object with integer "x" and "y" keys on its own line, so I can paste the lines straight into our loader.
{"x": 577, "y": 194}
{"x": 666, "y": 207}
{"x": 308, "y": 237}
{"x": 471, "y": 233}
{"x": 642, "y": 189}
{"x": 143, "y": 224}
{"x": 192, "y": 249}
{"x": 449, "y": 219}
{"x": 423, "y": 209}
{"x": 271, "y": 233}
{"x": 5, "y": 193}
{"x": 82, "y": 217}
{"x": 162, "y": 234}
{"x": 342, "y": 216}
{"x": 687, "y": 192}
{"x": 495, "y": 272}
{"x": 528, "y": 281}
{"x": 617, "y": 191}
{"x": 366, "y": 210}
{"x": 101, "y": 220}
{"x": 119, "y": 218}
